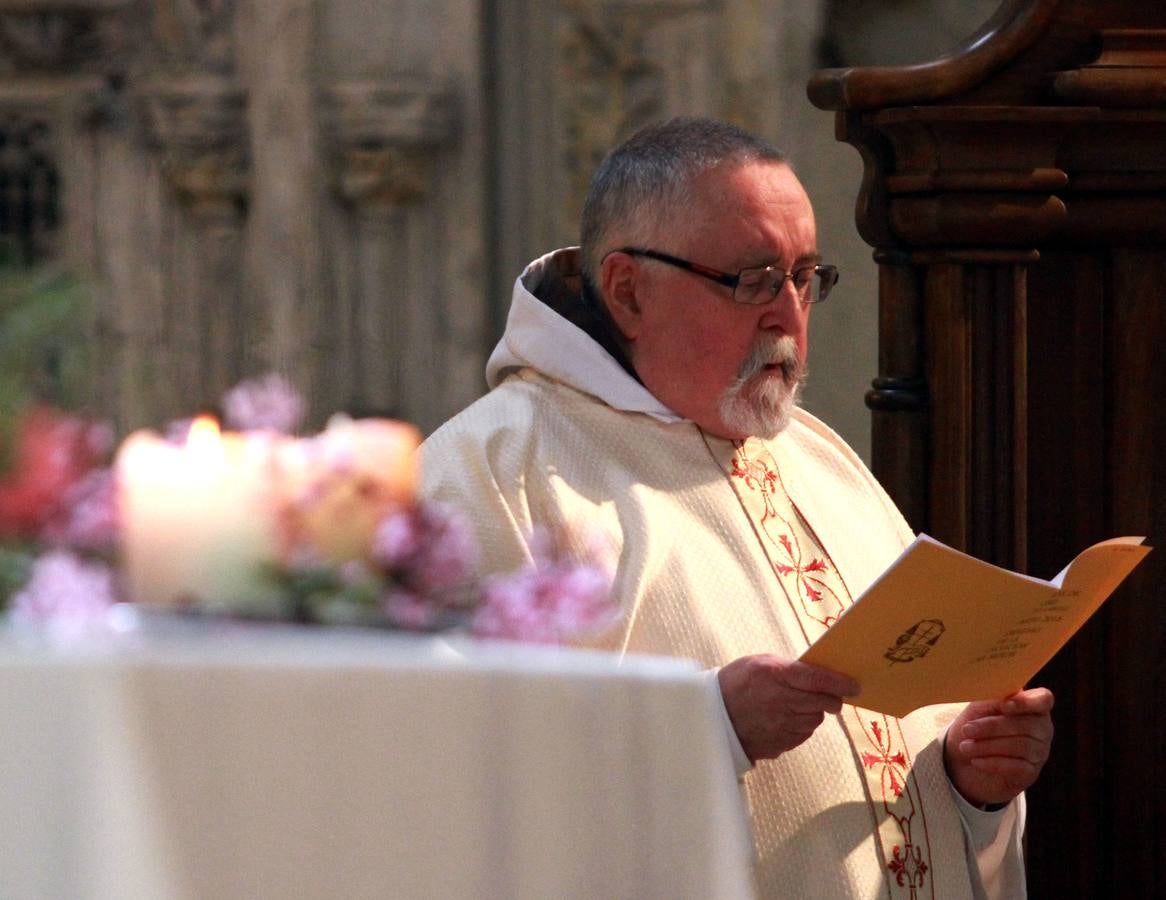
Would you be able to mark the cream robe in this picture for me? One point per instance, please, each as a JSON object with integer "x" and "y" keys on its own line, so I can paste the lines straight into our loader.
{"x": 566, "y": 437}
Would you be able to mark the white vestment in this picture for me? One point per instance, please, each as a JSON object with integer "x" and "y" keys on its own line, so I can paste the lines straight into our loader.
{"x": 567, "y": 437}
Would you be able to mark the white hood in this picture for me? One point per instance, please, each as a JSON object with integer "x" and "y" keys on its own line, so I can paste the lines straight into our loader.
{"x": 540, "y": 338}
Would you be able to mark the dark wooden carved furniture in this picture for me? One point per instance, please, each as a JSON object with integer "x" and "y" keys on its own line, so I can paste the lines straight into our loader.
{"x": 1015, "y": 195}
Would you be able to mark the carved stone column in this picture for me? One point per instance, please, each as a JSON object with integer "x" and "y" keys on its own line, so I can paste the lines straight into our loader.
{"x": 385, "y": 134}
{"x": 63, "y": 37}
{"x": 199, "y": 124}
{"x": 54, "y": 56}
{"x": 285, "y": 272}
{"x": 386, "y": 137}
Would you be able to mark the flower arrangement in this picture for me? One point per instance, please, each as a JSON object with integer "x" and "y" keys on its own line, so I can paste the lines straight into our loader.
{"x": 255, "y": 522}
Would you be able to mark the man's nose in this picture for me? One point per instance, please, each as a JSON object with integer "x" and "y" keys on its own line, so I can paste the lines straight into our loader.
{"x": 784, "y": 311}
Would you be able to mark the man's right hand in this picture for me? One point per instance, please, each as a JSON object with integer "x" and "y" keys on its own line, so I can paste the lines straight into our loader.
{"x": 775, "y": 704}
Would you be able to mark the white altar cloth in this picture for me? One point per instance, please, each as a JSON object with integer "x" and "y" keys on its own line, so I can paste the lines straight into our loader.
{"x": 222, "y": 761}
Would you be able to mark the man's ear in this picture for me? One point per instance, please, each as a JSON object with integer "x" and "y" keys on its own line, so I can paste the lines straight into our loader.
{"x": 619, "y": 278}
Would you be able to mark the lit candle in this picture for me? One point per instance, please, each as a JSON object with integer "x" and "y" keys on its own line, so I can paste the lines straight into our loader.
{"x": 198, "y": 519}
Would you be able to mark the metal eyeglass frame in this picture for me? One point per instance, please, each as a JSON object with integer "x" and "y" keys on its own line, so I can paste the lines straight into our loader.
{"x": 828, "y": 276}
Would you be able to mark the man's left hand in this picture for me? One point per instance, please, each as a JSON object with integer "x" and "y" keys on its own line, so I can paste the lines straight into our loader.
{"x": 997, "y": 748}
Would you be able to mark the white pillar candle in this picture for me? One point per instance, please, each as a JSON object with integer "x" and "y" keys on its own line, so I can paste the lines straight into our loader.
{"x": 198, "y": 519}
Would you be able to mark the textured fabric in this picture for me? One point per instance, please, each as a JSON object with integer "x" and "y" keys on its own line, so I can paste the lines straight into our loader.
{"x": 816, "y": 595}
{"x": 695, "y": 578}
{"x": 193, "y": 761}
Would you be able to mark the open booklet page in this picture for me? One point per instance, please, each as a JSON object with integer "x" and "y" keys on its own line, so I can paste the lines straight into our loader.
{"x": 941, "y": 626}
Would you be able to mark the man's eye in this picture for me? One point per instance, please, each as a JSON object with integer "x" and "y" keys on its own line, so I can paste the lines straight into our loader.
{"x": 750, "y": 278}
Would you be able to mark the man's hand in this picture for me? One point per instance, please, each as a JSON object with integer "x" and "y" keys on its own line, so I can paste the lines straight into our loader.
{"x": 996, "y": 748}
{"x": 775, "y": 704}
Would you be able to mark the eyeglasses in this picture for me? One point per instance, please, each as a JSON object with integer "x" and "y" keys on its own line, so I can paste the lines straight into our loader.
{"x": 756, "y": 285}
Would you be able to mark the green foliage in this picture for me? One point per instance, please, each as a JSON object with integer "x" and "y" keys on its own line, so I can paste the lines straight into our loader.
{"x": 15, "y": 567}
{"x": 45, "y": 345}
{"x": 318, "y": 593}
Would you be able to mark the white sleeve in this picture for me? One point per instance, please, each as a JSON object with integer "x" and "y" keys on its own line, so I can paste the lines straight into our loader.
{"x": 741, "y": 762}
{"x": 995, "y": 853}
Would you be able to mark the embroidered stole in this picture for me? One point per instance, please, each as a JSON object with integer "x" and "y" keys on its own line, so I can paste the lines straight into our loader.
{"x": 817, "y": 595}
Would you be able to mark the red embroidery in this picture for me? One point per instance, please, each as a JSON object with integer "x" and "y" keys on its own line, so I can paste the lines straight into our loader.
{"x": 822, "y": 596}
{"x": 825, "y": 606}
{"x": 909, "y": 868}
{"x": 755, "y": 474}
{"x": 870, "y": 760}
{"x": 894, "y": 771}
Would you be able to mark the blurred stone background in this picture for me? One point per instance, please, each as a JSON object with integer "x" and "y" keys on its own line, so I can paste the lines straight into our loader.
{"x": 344, "y": 190}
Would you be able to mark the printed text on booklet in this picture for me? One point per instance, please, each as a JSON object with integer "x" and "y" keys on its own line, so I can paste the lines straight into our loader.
{"x": 941, "y": 626}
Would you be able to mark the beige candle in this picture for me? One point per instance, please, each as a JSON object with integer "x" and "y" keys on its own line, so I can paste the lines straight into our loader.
{"x": 198, "y": 519}
{"x": 341, "y": 483}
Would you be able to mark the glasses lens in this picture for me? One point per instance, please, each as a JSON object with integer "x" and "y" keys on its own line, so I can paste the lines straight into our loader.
{"x": 812, "y": 283}
{"x": 753, "y": 286}
{"x": 825, "y": 277}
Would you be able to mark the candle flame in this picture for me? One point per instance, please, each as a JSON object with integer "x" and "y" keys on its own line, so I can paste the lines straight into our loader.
{"x": 203, "y": 441}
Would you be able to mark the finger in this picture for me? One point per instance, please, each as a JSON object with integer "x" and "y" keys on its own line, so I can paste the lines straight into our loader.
{"x": 1030, "y": 750}
{"x": 1016, "y": 772}
{"x": 805, "y": 723}
{"x": 790, "y": 731}
{"x": 1029, "y": 702}
{"x": 803, "y": 703}
{"x": 979, "y": 709}
{"x": 1037, "y": 726}
{"x": 816, "y": 680}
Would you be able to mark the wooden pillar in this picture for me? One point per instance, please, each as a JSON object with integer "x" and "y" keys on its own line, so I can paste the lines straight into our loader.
{"x": 1014, "y": 196}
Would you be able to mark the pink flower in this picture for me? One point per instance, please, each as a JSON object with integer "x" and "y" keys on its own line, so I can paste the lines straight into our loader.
{"x": 548, "y": 605}
{"x": 430, "y": 548}
{"x": 268, "y": 403}
{"x": 397, "y": 540}
{"x": 449, "y": 552}
{"x": 69, "y": 595}
{"x": 407, "y": 610}
{"x": 88, "y": 517}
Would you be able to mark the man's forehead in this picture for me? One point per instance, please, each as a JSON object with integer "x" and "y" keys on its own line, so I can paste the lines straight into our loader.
{"x": 759, "y": 210}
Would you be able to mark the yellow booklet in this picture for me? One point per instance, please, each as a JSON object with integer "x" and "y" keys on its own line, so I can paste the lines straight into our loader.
{"x": 940, "y": 626}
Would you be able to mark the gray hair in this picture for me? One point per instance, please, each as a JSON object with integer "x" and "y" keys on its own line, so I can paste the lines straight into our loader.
{"x": 641, "y": 183}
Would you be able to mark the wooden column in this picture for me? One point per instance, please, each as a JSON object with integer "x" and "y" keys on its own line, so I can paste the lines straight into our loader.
{"x": 1015, "y": 195}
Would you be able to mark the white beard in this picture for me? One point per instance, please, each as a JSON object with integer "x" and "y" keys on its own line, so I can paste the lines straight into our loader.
{"x": 764, "y": 408}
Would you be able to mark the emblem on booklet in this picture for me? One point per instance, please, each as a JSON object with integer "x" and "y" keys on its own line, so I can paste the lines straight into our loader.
{"x": 916, "y": 641}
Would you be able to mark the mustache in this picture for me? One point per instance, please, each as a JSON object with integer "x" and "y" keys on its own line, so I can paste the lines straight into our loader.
{"x": 772, "y": 351}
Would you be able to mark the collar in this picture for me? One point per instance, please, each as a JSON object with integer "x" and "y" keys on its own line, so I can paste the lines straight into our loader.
{"x": 547, "y": 330}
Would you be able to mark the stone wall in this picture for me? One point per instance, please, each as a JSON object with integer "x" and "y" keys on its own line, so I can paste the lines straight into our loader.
{"x": 344, "y": 191}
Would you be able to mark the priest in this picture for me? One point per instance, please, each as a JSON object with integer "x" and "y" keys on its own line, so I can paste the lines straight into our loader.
{"x": 646, "y": 389}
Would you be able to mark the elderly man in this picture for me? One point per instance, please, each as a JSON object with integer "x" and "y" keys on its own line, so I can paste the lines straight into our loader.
{"x": 646, "y": 386}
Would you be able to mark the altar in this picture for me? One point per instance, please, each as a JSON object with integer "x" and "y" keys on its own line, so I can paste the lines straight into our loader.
{"x": 207, "y": 759}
